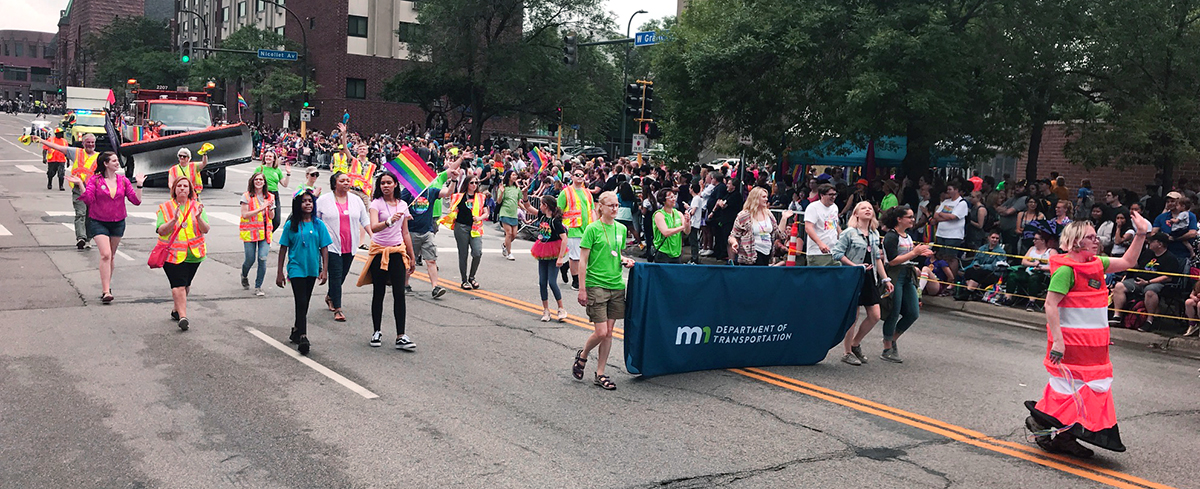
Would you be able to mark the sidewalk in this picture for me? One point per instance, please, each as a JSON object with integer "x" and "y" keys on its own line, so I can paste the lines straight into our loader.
{"x": 1174, "y": 345}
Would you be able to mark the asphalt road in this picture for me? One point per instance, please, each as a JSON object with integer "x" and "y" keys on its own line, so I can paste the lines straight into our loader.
{"x": 116, "y": 396}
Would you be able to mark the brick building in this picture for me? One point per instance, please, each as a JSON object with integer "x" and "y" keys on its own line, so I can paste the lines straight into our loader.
{"x": 83, "y": 18}
{"x": 354, "y": 46}
{"x": 28, "y": 61}
{"x": 1051, "y": 158}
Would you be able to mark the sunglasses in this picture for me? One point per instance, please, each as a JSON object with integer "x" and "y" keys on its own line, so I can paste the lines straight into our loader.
{"x": 184, "y": 156}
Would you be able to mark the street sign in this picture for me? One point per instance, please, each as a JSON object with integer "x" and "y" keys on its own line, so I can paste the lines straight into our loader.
{"x": 278, "y": 55}
{"x": 649, "y": 38}
{"x": 746, "y": 140}
{"x": 305, "y": 115}
{"x": 639, "y": 143}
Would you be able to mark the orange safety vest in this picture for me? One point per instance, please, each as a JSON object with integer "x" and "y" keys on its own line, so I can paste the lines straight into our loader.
{"x": 259, "y": 227}
{"x": 360, "y": 175}
{"x": 55, "y": 155}
{"x": 84, "y": 167}
{"x": 476, "y": 206}
{"x": 176, "y": 172}
{"x": 186, "y": 238}
{"x": 573, "y": 215}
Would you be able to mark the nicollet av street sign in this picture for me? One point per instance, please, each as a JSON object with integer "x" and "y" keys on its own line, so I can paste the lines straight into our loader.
{"x": 278, "y": 55}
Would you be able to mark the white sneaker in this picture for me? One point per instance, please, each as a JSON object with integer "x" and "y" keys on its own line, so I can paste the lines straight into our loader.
{"x": 259, "y": 292}
{"x": 706, "y": 252}
{"x": 403, "y": 343}
{"x": 510, "y": 257}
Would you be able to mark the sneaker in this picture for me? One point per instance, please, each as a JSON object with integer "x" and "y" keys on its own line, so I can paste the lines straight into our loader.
{"x": 857, "y": 351}
{"x": 259, "y": 292}
{"x": 377, "y": 339}
{"x": 546, "y": 316}
{"x": 849, "y": 358}
{"x": 510, "y": 257}
{"x": 303, "y": 345}
{"x": 575, "y": 285}
{"x": 503, "y": 251}
{"x": 403, "y": 343}
{"x": 183, "y": 324}
{"x": 1193, "y": 329}
{"x": 81, "y": 243}
{"x": 706, "y": 252}
{"x": 562, "y": 315}
{"x": 1029, "y": 307}
{"x": 245, "y": 283}
{"x": 174, "y": 315}
{"x": 890, "y": 355}
{"x": 408, "y": 290}
{"x": 1116, "y": 320}
{"x": 438, "y": 292}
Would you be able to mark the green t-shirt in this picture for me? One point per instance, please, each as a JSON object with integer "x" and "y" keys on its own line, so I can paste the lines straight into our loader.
{"x": 272, "y": 175}
{"x": 889, "y": 201}
{"x": 1063, "y": 277}
{"x": 191, "y": 258}
{"x": 671, "y": 246}
{"x": 604, "y": 262}
{"x": 585, "y": 204}
{"x": 508, "y": 201}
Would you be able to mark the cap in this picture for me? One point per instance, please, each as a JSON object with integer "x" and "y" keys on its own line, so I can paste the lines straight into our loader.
{"x": 1160, "y": 237}
{"x": 58, "y": 130}
{"x": 862, "y": 181}
{"x": 1174, "y": 195}
{"x": 823, "y": 177}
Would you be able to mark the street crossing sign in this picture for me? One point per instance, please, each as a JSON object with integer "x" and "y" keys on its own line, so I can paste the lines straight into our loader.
{"x": 649, "y": 38}
{"x": 278, "y": 55}
{"x": 639, "y": 143}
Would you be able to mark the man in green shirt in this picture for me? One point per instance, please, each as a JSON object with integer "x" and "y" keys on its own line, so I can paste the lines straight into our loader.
{"x": 668, "y": 224}
{"x": 601, "y": 286}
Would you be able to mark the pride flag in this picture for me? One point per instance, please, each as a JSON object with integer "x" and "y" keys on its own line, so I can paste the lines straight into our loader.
{"x": 542, "y": 160}
{"x": 414, "y": 174}
{"x": 241, "y": 101}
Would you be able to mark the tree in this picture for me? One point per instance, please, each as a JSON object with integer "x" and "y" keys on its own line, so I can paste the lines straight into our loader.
{"x": 134, "y": 47}
{"x": 273, "y": 85}
{"x": 1142, "y": 73}
{"x": 489, "y": 58}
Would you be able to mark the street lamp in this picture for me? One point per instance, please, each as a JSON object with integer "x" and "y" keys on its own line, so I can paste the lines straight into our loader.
{"x": 203, "y": 34}
{"x": 625, "y": 77}
{"x": 304, "y": 42}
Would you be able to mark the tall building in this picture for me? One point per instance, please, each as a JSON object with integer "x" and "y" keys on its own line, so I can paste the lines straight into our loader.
{"x": 354, "y": 48}
{"x": 27, "y": 58}
{"x": 83, "y": 18}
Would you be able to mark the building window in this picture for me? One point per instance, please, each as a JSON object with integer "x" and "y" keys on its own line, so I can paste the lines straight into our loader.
{"x": 357, "y": 26}
{"x": 6, "y": 52}
{"x": 224, "y": 14}
{"x": 356, "y": 88}
{"x": 18, "y": 50}
{"x": 279, "y": 30}
{"x": 39, "y": 75}
{"x": 32, "y": 51}
{"x": 16, "y": 74}
{"x": 407, "y": 31}
{"x": 260, "y": 5}
{"x": 48, "y": 51}
{"x": 241, "y": 9}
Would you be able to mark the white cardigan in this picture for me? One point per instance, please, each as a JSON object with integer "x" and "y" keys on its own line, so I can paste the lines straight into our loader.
{"x": 327, "y": 212}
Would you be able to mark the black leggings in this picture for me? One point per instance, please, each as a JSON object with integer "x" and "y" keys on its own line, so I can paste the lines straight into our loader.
{"x": 548, "y": 278}
{"x": 380, "y": 279}
{"x": 302, "y": 288}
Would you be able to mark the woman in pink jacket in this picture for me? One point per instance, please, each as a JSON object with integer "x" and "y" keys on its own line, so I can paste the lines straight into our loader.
{"x": 105, "y": 194}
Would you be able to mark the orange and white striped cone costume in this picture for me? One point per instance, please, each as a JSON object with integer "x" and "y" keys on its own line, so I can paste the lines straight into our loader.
{"x": 793, "y": 246}
{"x": 1078, "y": 398}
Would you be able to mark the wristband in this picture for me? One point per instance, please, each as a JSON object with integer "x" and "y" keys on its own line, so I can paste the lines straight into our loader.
{"x": 885, "y": 280}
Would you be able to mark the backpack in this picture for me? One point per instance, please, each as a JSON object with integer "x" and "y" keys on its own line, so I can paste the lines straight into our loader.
{"x": 1137, "y": 319}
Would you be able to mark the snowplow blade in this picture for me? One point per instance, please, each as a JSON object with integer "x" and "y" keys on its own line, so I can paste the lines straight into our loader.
{"x": 154, "y": 157}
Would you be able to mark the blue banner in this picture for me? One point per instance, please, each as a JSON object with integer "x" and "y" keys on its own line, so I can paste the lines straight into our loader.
{"x": 683, "y": 318}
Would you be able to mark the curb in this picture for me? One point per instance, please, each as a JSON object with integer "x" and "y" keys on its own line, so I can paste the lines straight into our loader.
{"x": 1172, "y": 345}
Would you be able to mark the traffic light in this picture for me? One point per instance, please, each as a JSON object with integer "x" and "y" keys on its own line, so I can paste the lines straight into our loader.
{"x": 570, "y": 49}
{"x": 185, "y": 58}
{"x": 306, "y": 100}
{"x": 633, "y": 99}
{"x": 1, "y": 67}
{"x": 647, "y": 101}
{"x": 652, "y": 130}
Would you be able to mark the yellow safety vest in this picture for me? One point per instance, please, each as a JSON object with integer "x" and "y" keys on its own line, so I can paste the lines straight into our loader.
{"x": 84, "y": 167}
{"x": 476, "y": 206}
{"x": 573, "y": 215}
{"x": 340, "y": 163}
{"x": 186, "y": 238}
{"x": 258, "y": 227}
{"x": 176, "y": 172}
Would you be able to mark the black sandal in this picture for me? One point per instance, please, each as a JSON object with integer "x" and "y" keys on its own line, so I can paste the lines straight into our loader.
{"x": 580, "y": 363}
{"x": 329, "y": 302}
{"x": 604, "y": 382}
{"x": 473, "y": 282}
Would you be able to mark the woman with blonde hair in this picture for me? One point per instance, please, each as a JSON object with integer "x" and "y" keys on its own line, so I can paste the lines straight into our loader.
{"x": 755, "y": 230}
{"x": 859, "y": 246}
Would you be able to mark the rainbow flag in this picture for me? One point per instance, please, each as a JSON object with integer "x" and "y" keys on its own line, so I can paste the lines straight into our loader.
{"x": 542, "y": 160}
{"x": 241, "y": 101}
{"x": 414, "y": 174}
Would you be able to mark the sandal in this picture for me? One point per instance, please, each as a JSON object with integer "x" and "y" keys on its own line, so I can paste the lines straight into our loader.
{"x": 106, "y": 298}
{"x": 580, "y": 363}
{"x": 473, "y": 282}
{"x": 329, "y": 303}
{"x": 466, "y": 286}
{"x": 605, "y": 383}
{"x": 339, "y": 317}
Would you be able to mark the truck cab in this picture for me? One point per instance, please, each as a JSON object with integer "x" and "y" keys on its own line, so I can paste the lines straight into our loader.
{"x": 166, "y": 113}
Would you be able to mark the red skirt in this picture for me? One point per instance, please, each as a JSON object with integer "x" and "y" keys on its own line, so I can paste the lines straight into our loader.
{"x": 546, "y": 250}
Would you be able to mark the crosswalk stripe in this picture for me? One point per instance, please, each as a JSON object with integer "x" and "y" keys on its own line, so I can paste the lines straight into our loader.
{"x": 4, "y": 231}
{"x": 225, "y": 216}
{"x": 122, "y": 254}
{"x": 29, "y": 168}
{"x": 235, "y": 170}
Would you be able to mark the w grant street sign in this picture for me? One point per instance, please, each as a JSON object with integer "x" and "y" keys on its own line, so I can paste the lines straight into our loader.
{"x": 278, "y": 55}
{"x": 650, "y": 38}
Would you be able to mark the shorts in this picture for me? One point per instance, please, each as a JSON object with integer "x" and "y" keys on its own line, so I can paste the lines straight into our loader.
{"x": 423, "y": 244}
{"x": 511, "y": 221}
{"x": 180, "y": 275}
{"x": 1131, "y": 287}
{"x": 660, "y": 257}
{"x": 573, "y": 248}
{"x": 820, "y": 260}
{"x": 869, "y": 296}
{"x": 106, "y": 228}
{"x": 605, "y": 304}
{"x": 948, "y": 252}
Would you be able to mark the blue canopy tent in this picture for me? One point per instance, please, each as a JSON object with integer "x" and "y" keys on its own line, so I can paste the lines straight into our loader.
{"x": 886, "y": 152}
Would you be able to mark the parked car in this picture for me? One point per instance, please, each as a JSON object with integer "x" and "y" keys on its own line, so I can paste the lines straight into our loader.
{"x": 588, "y": 152}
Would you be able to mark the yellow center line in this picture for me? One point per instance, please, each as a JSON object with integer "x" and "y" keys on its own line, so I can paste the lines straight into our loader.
{"x": 957, "y": 433}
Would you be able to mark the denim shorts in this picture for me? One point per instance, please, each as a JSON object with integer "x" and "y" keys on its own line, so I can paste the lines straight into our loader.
{"x": 105, "y": 228}
{"x": 511, "y": 221}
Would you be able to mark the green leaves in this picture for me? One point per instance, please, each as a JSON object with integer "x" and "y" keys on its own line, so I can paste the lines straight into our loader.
{"x": 134, "y": 47}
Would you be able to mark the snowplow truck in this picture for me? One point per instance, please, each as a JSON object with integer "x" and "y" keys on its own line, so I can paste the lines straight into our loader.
{"x": 159, "y": 122}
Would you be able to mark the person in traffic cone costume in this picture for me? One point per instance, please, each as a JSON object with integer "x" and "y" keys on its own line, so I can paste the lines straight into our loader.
{"x": 1077, "y": 402}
